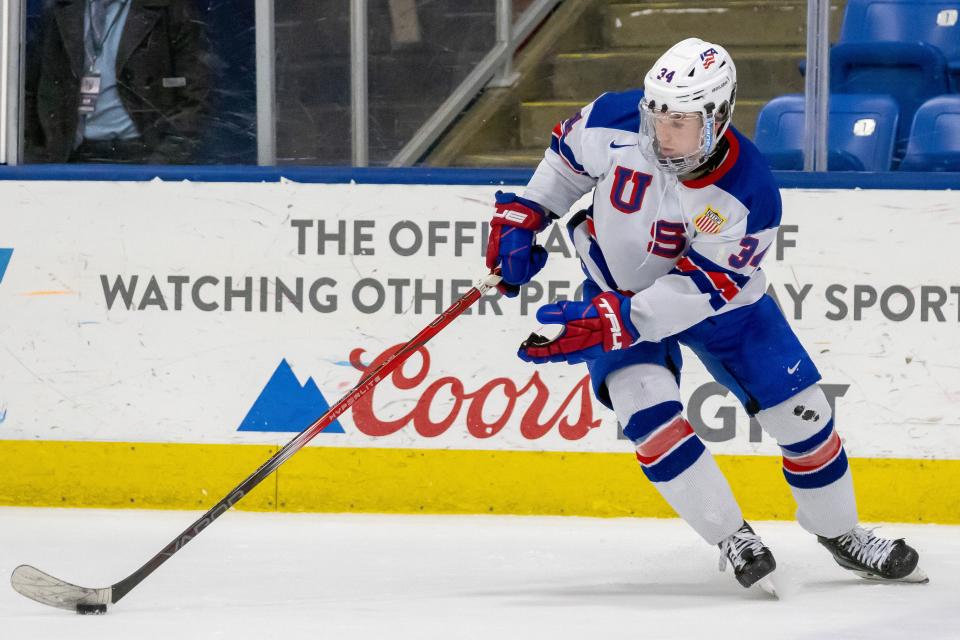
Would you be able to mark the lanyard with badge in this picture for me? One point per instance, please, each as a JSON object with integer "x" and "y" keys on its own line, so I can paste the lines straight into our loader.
{"x": 90, "y": 82}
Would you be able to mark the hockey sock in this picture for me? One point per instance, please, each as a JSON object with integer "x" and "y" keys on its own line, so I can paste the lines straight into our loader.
{"x": 814, "y": 462}
{"x": 671, "y": 455}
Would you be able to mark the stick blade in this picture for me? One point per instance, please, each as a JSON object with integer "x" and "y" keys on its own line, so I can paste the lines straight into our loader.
{"x": 45, "y": 589}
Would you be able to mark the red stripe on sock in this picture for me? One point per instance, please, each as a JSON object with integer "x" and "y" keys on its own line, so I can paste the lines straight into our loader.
{"x": 662, "y": 440}
{"x": 815, "y": 459}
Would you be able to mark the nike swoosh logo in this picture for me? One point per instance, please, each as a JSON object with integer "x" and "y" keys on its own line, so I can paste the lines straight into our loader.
{"x": 793, "y": 369}
{"x": 618, "y": 146}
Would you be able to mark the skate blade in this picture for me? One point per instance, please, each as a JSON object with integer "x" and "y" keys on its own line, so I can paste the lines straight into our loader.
{"x": 768, "y": 586}
{"x": 917, "y": 576}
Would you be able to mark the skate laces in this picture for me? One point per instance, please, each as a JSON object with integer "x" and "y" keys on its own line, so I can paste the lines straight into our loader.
{"x": 866, "y": 547}
{"x": 734, "y": 545}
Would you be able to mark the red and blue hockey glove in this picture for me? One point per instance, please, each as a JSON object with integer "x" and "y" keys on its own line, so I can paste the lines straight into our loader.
{"x": 512, "y": 241}
{"x": 590, "y": 329}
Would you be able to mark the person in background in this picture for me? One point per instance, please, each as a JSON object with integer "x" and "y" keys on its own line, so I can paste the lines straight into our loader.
{"x": 122, "y": 81}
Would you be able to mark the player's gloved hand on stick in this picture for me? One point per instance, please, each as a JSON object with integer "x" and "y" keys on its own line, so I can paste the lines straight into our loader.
{"x": 512, "y": 242}
{"x": 590, "y": 329}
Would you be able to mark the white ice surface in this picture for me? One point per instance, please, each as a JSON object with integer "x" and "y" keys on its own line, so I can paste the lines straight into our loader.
{"x": 286, "y": 576}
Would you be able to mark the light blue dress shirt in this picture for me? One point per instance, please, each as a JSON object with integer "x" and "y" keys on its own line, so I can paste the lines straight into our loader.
{"x": 109, "y": 119}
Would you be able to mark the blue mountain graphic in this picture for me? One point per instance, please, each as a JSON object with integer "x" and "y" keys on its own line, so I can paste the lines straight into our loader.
{"x": 286, "y": 405}
{"x": 4, "y": 261}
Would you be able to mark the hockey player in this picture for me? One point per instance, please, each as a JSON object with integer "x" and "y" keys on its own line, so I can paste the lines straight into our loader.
{"x": 684, "y": 211}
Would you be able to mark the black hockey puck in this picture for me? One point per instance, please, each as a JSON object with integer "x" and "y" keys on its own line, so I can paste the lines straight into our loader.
{"x": 91, "y": 609}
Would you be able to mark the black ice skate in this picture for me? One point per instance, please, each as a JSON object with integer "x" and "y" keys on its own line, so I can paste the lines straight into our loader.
{"x": 751, "y": 560}
{"x": 875, "y": 558}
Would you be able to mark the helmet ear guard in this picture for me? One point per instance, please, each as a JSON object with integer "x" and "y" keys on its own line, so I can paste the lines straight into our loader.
{"x": 725, "y": 113}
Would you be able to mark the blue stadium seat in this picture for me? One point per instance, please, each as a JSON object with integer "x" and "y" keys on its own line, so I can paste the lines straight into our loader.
{"x": 935, "y": 137}
{"x": 936, "y": 22}
{"x": 860, "y": 136}
{"x": 912, "y": 72}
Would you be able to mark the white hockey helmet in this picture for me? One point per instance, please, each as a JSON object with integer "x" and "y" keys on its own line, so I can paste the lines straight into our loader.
{"x": 692, "y": 86}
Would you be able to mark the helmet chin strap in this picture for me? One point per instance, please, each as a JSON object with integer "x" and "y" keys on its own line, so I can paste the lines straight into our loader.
{"x": 712, "y": 162}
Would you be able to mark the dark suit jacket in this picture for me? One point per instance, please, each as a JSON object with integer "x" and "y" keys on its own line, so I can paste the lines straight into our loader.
{"x": 162, "y": 79}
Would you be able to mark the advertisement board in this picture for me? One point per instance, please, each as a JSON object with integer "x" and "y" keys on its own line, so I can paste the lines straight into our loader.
{"x": 212, "y": 314}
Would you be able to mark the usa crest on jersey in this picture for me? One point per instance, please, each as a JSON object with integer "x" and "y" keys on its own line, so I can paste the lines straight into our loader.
{"x": 709, "y": 221}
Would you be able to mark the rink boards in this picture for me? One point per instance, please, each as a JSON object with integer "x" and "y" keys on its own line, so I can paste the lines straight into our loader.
{"x": 160, "y": 340}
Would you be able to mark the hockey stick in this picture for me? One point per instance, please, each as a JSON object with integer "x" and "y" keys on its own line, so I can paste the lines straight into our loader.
{"x": 46, "y": 589}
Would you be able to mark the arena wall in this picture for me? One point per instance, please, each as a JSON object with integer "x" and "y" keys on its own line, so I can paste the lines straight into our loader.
{"x": 161, "y": 339}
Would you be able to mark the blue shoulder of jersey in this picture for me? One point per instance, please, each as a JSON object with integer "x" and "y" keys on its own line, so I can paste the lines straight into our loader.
{"x": 617, "y": 111}
{"x": 751, "y": 182}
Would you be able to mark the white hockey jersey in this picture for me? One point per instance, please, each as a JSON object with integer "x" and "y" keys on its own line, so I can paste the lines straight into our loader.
{"x": 685, "y": 250}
